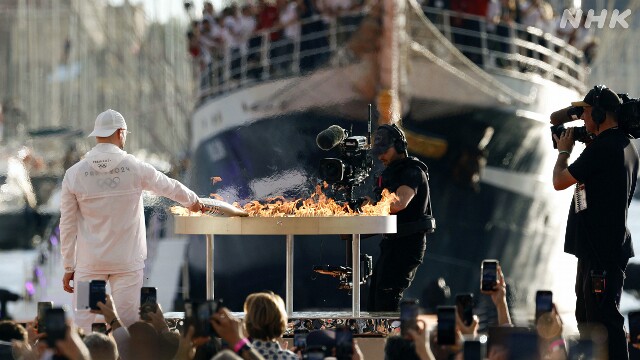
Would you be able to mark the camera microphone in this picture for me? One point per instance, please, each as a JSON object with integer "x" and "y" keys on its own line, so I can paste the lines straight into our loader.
{"x": 328, "y": 139}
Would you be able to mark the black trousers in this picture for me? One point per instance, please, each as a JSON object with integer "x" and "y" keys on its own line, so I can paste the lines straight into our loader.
{"x": 593, "y": 309}
{"x": 394, "y": 270}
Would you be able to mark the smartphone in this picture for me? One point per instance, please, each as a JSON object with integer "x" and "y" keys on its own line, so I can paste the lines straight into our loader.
{"x": 43, "y": 306}
{"x": 489, "y": 278}
{"x": 300, "y": 338}
{"x": 446, "y": 325}
{"x": 82, "y": 298}
{"x": 55, "y": 324}
{"x": 634, "y": 326}
{"x": 472, "y": 350}
{"x": 198, "y": 315}
{"x": 409, "y": 311}
{"x": 148, "y": 302}
{"x": 544, "y": 302}
{"x": 99, "y": 328}
{"x": 344, "y": 343}
{"x": 97, "y": 293}
{"x": 464, "y": 306}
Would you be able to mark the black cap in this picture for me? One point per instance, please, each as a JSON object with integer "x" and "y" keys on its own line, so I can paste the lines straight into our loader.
{"x": 382, "y": 141}
{"x": 609, "y": 100}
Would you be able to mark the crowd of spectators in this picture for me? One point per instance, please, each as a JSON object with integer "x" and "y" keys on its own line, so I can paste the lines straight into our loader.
{"x": 510, "y": 18}
{"x": 273, "y": 38}
{"x": 260, "y": 336}
{"x": 235, "y": 41}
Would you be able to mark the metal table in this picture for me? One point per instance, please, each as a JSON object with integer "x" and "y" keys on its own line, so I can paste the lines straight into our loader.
{"x": 288, "y": 226}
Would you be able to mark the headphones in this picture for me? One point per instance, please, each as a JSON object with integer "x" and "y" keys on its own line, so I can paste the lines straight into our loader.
{"x": 598, "y": 114}
{"x": 400, "y": 141}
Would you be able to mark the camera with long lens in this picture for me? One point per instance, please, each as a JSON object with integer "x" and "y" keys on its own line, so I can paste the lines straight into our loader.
{"x": 351, "y": 167}
{"x": 628, "y": 120}
{"x": 579, "y": 134}
{"x": 353, "y": 164}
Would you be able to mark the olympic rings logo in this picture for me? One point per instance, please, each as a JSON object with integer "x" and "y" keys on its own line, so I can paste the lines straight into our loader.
{"x": 109, "y": 182}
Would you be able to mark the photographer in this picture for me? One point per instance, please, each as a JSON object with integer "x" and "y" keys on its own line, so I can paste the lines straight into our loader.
{"x": 400, "y": 253}
{"x": 605, "y": 175}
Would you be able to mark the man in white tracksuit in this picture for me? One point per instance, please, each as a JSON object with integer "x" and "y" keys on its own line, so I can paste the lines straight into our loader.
{"x": 102, "y": 225}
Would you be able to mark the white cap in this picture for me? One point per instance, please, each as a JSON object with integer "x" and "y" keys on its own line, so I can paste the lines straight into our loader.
{"x": 107, "y": 123}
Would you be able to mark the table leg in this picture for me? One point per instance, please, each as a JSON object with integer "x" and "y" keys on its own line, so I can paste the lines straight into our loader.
{"x": 209, "y": 277}
{"x": 355, "y": 275}
{"x": 289, "y": 276}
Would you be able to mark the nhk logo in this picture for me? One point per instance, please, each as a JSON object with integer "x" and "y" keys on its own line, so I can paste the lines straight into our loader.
{"x": 616, "y": 18}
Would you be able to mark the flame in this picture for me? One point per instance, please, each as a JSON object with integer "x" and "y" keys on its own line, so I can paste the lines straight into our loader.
{"x": 318, "y": 204}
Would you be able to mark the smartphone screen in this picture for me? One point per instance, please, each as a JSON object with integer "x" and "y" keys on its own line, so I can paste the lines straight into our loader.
{"x": 99, "y": 327}
{"x": 472, "y": 350}
{"x": 43, "y": 306}
{"x": 55, "y": 322}
{"x": 300, "y": 338}
{"x": 544, "y": 302}
{"x": 409, "y": 311}
{"x": 202, "y": 316}
{"x": 634, "y": 326}
{"x": 489, "y": 278}
{"x": 82, "y": 290}
{"x": 97, "y": 293}
{"x": 446, "y": 325}
{"x": 464, "y": 305}
{"x": 148, "y": 302}
{"x": 344, "y": 343}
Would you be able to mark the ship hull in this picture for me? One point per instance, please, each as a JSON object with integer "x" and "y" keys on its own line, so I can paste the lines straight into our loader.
{"x": 493, "y": 202}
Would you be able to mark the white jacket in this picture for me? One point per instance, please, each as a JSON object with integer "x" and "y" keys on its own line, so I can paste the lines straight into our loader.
{"x": 102, "y": 226}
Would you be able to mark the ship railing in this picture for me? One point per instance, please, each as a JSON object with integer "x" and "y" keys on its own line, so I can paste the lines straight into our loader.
{"x": 264, "y": 59}
{"x": 510, "y": 46}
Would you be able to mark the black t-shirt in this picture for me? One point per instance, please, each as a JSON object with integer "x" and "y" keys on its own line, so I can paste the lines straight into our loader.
{"x": 408, "y": 172}
{"x": 597, "y": 223}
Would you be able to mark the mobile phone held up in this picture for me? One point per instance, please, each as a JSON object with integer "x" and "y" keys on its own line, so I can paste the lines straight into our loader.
{"x": 99, "y": 328}
{"x": 489, "y": 275}
{"x": 464, "y": 306}
{"x": 43, "y": 306}
{"x": 148, "y": 302}
{"x": 409, "y": 311}
{"x": 544, "y": 303}
{"x": 56, "y": 325}
{"x": 198, "y": 315}
{"x": 446, "y": 325}
{"x": 97, "y": 293}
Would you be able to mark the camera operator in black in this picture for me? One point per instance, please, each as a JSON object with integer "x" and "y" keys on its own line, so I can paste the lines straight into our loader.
{"x": 400, "y": 253}
{"x": 605, "y": 175}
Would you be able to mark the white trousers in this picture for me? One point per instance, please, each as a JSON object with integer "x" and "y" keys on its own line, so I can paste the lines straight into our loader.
{"x": 125, "y": 290}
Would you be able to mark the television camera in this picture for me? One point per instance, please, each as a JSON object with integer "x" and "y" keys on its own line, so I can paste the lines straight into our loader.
{"x": 628, "y": 120}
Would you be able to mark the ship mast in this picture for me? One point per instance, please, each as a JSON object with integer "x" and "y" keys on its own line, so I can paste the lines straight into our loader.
{"x": 391, "y": 66}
